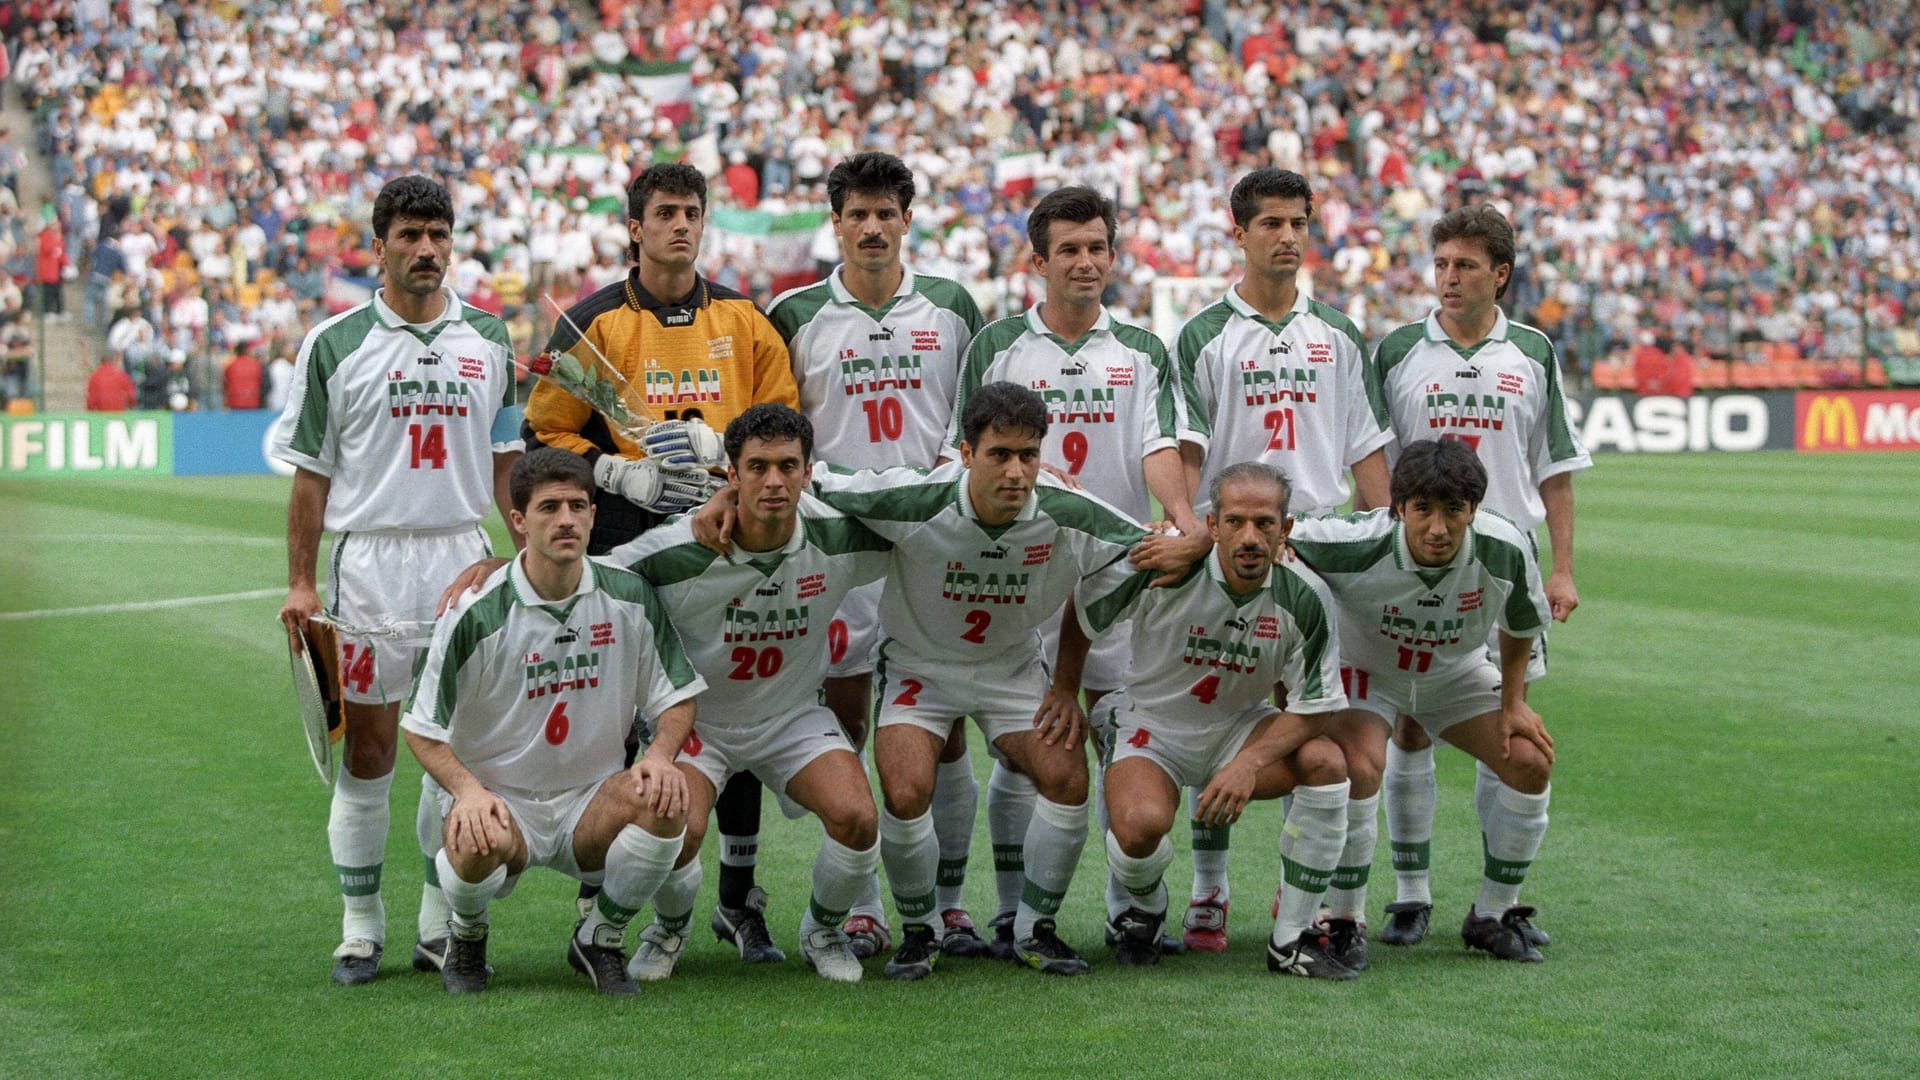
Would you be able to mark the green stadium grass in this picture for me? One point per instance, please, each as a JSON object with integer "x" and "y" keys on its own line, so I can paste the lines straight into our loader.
{"x": 1728, "y": 880}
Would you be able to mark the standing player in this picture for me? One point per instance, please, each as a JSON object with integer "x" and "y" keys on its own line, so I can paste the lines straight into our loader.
{"x": 523, "y": 706}
{"x": 1468, "y": 373}
{"x": 756, "y": 627}
{"x": 876, "y": 352}
{"x": 700, "y": 354}
{"x": 1420, "y": 589}
{"x": 964, "y": 643}
{"x": 1113, "y": 422}
{"x": 1203, "y": 716}
{"x": 693, "y": 349}
{"x": 400, "y": 427}
{"x": 1272, "y": 376}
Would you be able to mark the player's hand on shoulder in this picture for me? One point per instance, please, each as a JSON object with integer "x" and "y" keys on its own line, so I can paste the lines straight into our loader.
{"x": 302, "y": 603}
{"x": 1065, "y": 478}
{"x": 713, "y": 523}
{"x": 1170, "y": 553}
{"x": 1061, "y": 721}
{"x": 469, "y": 580}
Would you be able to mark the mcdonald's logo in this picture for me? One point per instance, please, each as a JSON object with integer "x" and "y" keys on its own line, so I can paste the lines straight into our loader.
{"x": 1828, "y": 421}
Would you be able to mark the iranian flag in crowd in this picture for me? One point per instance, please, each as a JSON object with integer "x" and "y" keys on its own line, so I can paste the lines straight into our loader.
{"x": 780, "y": 242}
{"x": 666, "y": 87}
{"x": 1014, "y": 173}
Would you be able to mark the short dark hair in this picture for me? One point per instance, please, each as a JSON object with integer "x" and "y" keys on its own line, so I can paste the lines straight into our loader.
{"x": 1073, "y": 205}
{"x": 1484, "y": 224}
{"x": 1441, "y": 470}
{"x": 1268, "y": 183}
{"x": 772, "y": 422}
{"x": 546, "y": 465}
{"x": 870, "y": 173}
{"x": 1251, "y": 470}
{"x": 1002, "y": 406}
{"x": 674, "y": 178}
{"x": 414, "y": 197}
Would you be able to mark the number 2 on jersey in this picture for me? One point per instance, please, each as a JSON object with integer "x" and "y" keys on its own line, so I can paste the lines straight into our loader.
{"x": 428, "y": 443}
{"x": 977, "y": 622}
{"x": 885, "y": 420}
{"x": 1280, "y": 423}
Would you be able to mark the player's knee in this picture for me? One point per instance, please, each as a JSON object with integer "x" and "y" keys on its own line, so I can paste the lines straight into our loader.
{"x": 908, "y": 797}
{"x": 1138, "y": 831}
{"x": 1527, "y": 769}
{"x": 1060, "y": 782}
{"x": 856, "y": 824}
{"x": 696, "y": 835}
{"x": 1320, "y": 762}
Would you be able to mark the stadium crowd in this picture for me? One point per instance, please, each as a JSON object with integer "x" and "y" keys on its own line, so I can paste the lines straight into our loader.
{"x": 1735, "y": 180}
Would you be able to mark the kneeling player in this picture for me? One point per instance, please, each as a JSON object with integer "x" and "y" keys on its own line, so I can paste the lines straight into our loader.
{"x": 529, "y": 689}
{"x": 756, "y": 626}
{"x": 1201, "y": 717}
{"x": 1420, "y": 588}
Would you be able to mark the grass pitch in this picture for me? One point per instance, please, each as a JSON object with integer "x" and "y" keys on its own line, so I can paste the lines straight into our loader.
{"x": 1729, "y": 877}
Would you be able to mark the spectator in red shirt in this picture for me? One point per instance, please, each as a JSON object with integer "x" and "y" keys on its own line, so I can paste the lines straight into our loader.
{"x": 240, "y": 382}
{"x": 1649, "y": 366}
{"x": 49, "y": 267}
{"x": 108, "y": 388}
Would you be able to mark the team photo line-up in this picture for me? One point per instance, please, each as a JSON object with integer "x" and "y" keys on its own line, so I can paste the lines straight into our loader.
{"x": 756, "y": 550}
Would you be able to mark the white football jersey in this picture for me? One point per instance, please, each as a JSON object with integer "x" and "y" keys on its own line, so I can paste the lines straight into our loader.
{"x": 1426, "y": 622}
{"x": 1111, "y": 398}
{"x": 755, "y": 623}
{"x": 534, "y": 696}
{"x": 878, "y": 383}
{"x": 1502, "y": 397}
{"x": 1215, "y": 653}
{"x": 1293, "y": 393}
{"x": 403, "y": 418}
{"x": 959, "y": 592}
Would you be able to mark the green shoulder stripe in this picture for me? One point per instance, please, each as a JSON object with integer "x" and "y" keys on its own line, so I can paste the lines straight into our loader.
{"x": 487, "y": 325}
{"x": 333, "y": 342}
{"x": 952, "y": 296}
{"x": 1508, "y": 563}
{"x": 1396, "y": 347}
{"x": 1298, "y": 599}
{"x": 1072, "y": 510}
{"x": 481, "y": 620}
{"x": 1146, "y": 342}
{"x": 671, "y": 566}
{"x": 794, "y": 308}
{"x": 1198, "y": 333}
{"x": 631, "y": 588}
{"x": 1109, "y": 609}
{"x": 1374, "y": 383}
{"x": 842, "y": 536}
{"x": 1539, "y": 348}
{"x": 916, "y": 502}
{"x": 1343, "y": 556}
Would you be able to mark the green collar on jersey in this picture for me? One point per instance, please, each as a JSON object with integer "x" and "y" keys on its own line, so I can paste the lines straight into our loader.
{"x": 1240, "y": 307}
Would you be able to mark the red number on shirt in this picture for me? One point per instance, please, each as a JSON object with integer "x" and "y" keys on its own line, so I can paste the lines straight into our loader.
{"x": 1280, "y": 422}
{"x": 691, "y": 747}
{"x": 749, "y": 662}
{"x": 1074, "y": 446}
{"x": 836, "y": 640}
{"x": 356, "y": 666}
{"x": 428, "y": 443}
{"x": 1353, "y": 682}
{"x": 1415, "y": 659}
{"x": 909, "y": 692}
{"x": 557, "y": 723}
{"x": 1472, "y": 441}
{"x": 978, "y": 620}
{"x": 885, "y": 420}
{"x": 1206, "y": 689}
